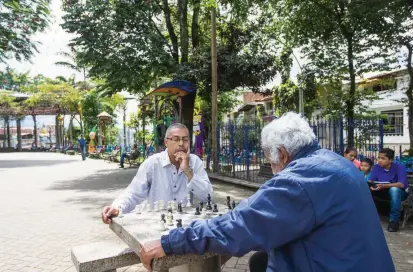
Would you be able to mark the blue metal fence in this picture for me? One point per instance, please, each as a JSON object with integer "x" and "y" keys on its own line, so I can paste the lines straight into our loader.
{"x": 240, "y": 154}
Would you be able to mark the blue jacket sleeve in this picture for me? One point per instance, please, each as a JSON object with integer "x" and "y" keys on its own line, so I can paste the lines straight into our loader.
{"x": 278, "y": 213}
{"x": 373, "y": 173}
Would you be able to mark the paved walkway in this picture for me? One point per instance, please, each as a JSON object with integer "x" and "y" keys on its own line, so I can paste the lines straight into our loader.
{"x": 52, "y": 202}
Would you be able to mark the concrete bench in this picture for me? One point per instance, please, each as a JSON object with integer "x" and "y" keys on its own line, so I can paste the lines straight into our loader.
{"x": 103, "y": 256}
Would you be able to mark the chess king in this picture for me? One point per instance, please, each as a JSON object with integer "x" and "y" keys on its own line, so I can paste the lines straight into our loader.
{"x": 166, "y": 176}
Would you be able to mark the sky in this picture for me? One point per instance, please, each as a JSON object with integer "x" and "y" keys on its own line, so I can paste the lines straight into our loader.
{"x": 53, "y": 40}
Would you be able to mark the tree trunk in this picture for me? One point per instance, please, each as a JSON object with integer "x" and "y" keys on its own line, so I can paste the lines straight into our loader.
{"x": 195, "y": 23}
{"x": 188, "y": 103}
{"x": 19, "y": 134}
{"x": 183, "y": 23}
{"x": 57, "y": 132}
{"x": 409, "y": 94}
{"x": 352, "y": 92}
{"x": 35, "y": 130}
{"x": 171, "y": 32}
{"x": 71, "y": 129}
{"x": 8, "y": 131}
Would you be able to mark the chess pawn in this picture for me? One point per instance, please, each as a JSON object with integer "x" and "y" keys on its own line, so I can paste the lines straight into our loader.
{"x": 161, "y": 205}
{"x": 162, "y": 225}
{"x": 180, "y": 207}
{"x": 149, "y": 208}
{"x": 163, "y": 218}
{"x": 202, "y": 205}
{"x": 179, "y": 223}
{"x": 138, "y": 209}
{"x": 156, "y": 206}
{"x": 204, "y": 215}
{"x": 188, "y": 201}
{"x": 197, "y": 211}
{"x": 173, "y": 205}
{"x": 215, "y": 210}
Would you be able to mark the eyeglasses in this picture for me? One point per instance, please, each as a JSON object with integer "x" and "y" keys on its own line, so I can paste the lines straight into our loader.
{"x": 176, "y": 139}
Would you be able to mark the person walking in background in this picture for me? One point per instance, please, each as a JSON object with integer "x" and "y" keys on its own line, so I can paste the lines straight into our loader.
{"x": 82, "y": 146}
{"x": 351, "y": 154}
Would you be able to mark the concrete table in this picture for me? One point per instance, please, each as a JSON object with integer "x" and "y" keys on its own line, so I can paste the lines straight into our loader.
{"x": 137, "y": 229}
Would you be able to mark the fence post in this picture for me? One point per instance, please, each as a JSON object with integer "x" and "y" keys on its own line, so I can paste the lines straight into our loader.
{"x": 232, "y": 147}
{"x": 247, "y": 152}
{"x": 381, "y": 134}
{"x": 341, "y": 135}
{"x": 218, "y": 144}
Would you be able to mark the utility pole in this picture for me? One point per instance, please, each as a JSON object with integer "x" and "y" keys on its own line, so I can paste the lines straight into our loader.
{"x": 214, "y": 93}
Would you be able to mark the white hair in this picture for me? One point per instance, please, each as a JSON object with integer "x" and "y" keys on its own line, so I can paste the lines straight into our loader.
{"x": 290, "y": 131}
{"x": 174, "y": 126}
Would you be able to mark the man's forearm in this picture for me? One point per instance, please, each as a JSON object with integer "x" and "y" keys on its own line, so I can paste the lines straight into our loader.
{"x": 395, "y": 184}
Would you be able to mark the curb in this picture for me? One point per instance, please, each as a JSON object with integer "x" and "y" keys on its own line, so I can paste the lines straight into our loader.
{"x": 234, "y": 181}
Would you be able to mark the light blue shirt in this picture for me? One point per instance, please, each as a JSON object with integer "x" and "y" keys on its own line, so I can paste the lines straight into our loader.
{"x": 157, "y": 179}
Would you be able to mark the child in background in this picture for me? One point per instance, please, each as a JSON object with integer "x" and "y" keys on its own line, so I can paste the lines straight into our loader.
{"x": 365, "y": 166}
{"x": 351, "y": 153}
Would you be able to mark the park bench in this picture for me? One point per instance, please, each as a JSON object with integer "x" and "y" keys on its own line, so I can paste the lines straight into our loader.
{"x": 132, "y": 160}
{"x": 104, "y": 256}
{"x": 111, "y": 156}
{"x": 98, "y": 153}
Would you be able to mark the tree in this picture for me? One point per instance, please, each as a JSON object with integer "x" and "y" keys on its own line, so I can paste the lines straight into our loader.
{"x": 129, "y": 44}
{"x": 339, "y": 38}
{"x": 19, "y": 20}
{"x": 9, "y": 107}
{"x": 72, "y": 63}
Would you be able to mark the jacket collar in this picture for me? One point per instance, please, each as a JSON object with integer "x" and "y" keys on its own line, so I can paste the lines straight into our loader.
{"x": 306, "y": 151}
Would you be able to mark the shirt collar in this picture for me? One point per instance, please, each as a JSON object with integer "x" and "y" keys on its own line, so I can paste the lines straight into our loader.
{"x": 307, "y": 150}
{"x": 165, "y": 158}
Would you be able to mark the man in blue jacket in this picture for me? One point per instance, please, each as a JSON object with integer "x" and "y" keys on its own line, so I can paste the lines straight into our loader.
{"x": 315, "y": 214}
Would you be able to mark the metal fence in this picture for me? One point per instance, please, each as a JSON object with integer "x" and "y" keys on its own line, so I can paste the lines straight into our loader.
{"x": 240, "y": 154}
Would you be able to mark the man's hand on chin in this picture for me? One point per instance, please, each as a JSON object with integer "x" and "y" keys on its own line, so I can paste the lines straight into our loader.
{"x": 149, "y": 251}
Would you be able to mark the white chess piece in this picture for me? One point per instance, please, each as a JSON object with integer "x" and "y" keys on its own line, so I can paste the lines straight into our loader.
{"x": 173, "y": 205}
{"x": 149, "y": 209}
{"x": 162, "y": 225}
{"x": 138, "y": 209}
{"x": 188, "y": 203}
{"x": 156, "y": 206}
{"x": 161, "y": 205}
{"x": 120, "y": 214}
{"x": 170, "y": 219}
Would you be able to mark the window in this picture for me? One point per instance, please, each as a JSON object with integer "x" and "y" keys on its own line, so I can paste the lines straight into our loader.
{"x": 393, "y": 122}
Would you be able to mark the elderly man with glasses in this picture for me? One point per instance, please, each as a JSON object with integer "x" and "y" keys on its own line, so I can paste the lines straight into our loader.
{"x": 168, "y": 176}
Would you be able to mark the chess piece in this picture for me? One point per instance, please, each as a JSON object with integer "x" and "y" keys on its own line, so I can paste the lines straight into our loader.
{"x": 229, "y": 203}
{"x": 170, "y": 218}
{"x": 161, "y": 205}
{"x": 188, "y": 201}
{"x": 120, "y": 214}
{"x": 233, "y": 204}
{"x": 202, "y": 205}
{"x": 156, "y": 206}
{"x": 215, "y": 210}
{"x": 197, "y": 211}
{"x": 204, "y": 214}
{"x": 179, "y": 223}
{"x": 220, "y": 214}
{"x": 180, "y": 207}
{"x": 209, "y": 207}
{"x": 173, "y": 205}
{"x": 163, "y": 218}
{"x": 149, "y": 208}
{"x": 162, "y": 225}
{"x": 138, "y": 209}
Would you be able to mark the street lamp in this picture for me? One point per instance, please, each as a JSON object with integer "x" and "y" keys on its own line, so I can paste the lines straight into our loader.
{"x": 60, "y": 129}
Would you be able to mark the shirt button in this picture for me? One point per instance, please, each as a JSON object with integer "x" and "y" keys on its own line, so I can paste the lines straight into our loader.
{"x": 175, "y": 186}
{"x": 192, "y": 190}
{"x": 174, "y": 173}
{"x": 175, "y": 199}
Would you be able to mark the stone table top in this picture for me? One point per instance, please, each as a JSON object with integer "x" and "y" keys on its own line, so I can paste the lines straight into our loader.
{"x": 137, "y": 229}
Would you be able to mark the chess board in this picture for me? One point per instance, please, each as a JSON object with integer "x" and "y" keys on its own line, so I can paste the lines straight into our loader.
{"x": 153, "y": 218}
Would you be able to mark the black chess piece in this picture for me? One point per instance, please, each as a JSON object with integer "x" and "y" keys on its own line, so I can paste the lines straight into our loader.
{"x": 202, "y": 205}
{"x": 220, "y": 214}
{"x": 170, "y": 210}
{"x": 215, "y": 208}
{"x": 229, "y": 202}
{"x": 233, "y": 204}
{"x": 163, "y": 218}
{"x": 197, "y": 211}
{"x": 179, "y": 223}
{"x": 179, "y": 207}
{"x": 209, "y": 207}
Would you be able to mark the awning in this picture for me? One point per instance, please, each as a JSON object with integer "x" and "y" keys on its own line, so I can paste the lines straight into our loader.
{"x": 248, "y": 106}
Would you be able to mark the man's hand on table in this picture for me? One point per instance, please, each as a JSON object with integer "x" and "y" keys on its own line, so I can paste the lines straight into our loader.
{"x": 149, "y": 251}
{"x": 109, "y": 212}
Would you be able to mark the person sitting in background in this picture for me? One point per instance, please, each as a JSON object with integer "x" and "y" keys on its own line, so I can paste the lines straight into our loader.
{"x": 351, "y": 153}
{"x": 133, "y": 155}
{"x": 365, "y": 166}
{"x": 390, "y": 180}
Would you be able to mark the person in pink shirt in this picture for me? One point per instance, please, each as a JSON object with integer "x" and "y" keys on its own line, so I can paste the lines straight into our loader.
{"x": 351, "y": 153}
